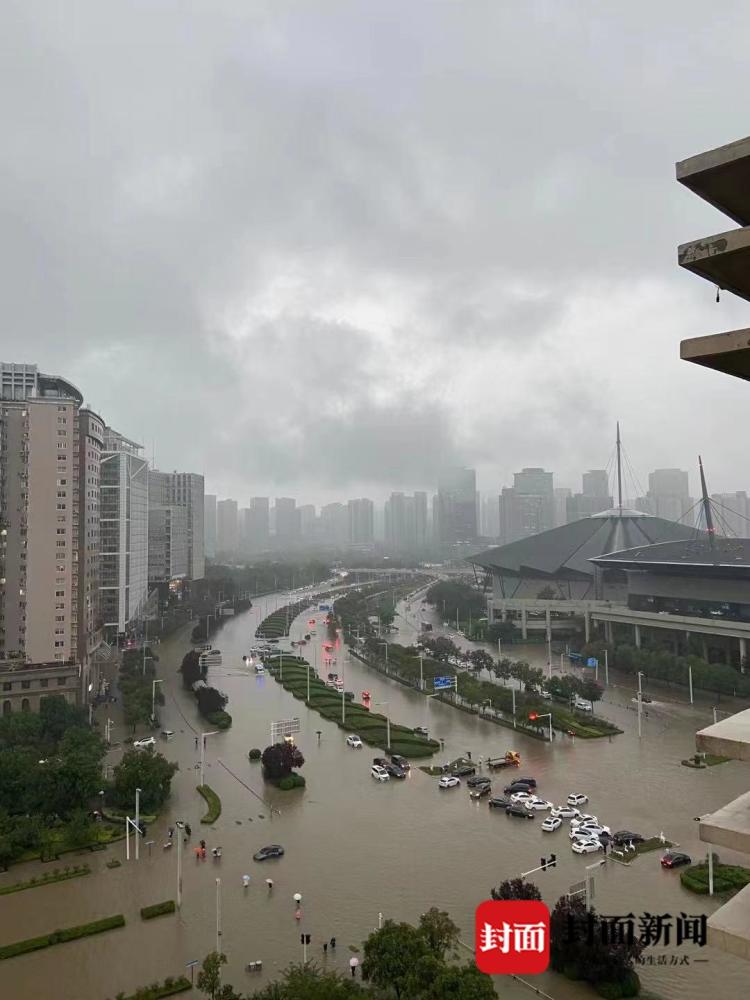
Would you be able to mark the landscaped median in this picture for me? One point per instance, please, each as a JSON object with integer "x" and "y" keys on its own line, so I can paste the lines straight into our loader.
{"x": 61, "y": 936}
{"x": 48, "y": 878}
{"x": 157, "y": 909}
{"x": 157, "y": 991}
{"x": 370, "y": 726}
{"x": 728, "y": 879}
{"x": 212, "y": 801}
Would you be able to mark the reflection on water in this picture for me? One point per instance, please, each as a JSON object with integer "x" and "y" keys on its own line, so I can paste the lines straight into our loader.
{"x": 356, "y": 847}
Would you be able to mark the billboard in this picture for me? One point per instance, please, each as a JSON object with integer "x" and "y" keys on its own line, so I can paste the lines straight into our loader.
{"x": 441, "y": 683}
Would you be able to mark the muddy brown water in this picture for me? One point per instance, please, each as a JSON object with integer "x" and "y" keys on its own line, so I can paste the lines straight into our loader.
{"x": 356, "y": 848}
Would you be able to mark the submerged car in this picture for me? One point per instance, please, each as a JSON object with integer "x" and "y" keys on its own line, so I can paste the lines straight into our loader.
{"x": 518, "y": 810}
{"x": 354, "y": 741}
{"x": 379, "y": 773}
{"x": 400, "y": 761}
{"x": 478, "y": 779}
{"x": 145, "y": 743}
{"x": 577, "y": 799}
{"x": 499, "y": 802}
{"x": 551, "y": 824}
{"x": 272, "y": 851}
{"x": 586, "y": 846}
{"x": 449, "y": 781}
{"x": 675, "y": 860}
{"x": 479, "y": 791}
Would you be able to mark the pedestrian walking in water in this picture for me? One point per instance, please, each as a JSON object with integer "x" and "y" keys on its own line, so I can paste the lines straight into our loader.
{"x": 333, "y": 944}
{"x": 196, "y": 742}
{"x": 170, "y": 832}
{"x": 203, "y": 845}
{"x": 269, "y": 883}
{"x": 245, "y": 881}
{"x": 325, "y": 948}
{"x": 188, "y": 831}
{"x": 203, "y": 853}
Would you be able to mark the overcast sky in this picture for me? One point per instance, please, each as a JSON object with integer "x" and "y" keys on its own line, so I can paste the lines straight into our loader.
{"x": 321, "y": 249}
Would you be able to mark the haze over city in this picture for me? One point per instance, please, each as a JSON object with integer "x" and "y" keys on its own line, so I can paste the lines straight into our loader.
{"x": 327, "y": 252}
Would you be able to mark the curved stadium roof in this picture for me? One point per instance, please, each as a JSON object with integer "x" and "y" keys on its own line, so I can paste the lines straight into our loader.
{"x": 565, "y": 552}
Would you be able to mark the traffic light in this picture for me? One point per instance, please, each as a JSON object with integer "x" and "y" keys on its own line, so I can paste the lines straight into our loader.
{"x": 550, "y": 862}
{"x": 533, "y": 716}
{"x": 304, "y": 939}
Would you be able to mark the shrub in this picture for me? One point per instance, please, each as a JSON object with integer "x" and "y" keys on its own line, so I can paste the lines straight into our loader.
{"x": 291, "y": 781}
{"x": 157, "y": 909}
{"x": 220, "y": 719}
{"x": 254, "y": 754}
{"x": 61, "y": 936}
{"x": 213, "y": 803}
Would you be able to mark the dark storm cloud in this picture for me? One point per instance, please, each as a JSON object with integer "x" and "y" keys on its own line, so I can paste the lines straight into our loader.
{"x": 314, "y": 246}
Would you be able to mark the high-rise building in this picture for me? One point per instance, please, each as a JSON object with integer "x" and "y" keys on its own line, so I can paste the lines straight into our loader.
{"x": 124, "y": 534}
{"x": 307, "y": 521}
{"x": 227, "y": 528}
{"x": 258, "y": 528}
{"x": 561, "y": 498}
{"x": 334, "y": 524}
{"x": 168, "y": 548}
{"x": 731, "y": 514}
{"x": 50, "y": 454}
{"x": 595, "y": 483}
{"x": 593, "y": 498}
{"x": 405, "y": 522}
{"x": 361, "y": 521}
{"x": 668, "y": 495}
{"x": 209, "y": 524}
{"x": 287, "y": 521}
{"x": 456, "y": 506}
{"x": 489, "y": 522}
{"x": 527, "y": 507}
{"x": 184, "y": 489}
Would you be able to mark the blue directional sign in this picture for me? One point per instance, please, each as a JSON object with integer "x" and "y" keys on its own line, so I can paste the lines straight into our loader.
{"x": 440, "y": 683}
{"x": 592, "y": 662}
{"x": 324, "y": 607}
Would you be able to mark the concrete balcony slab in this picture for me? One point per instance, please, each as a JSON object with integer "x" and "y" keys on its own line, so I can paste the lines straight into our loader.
{"x": 722, "y": 178}
{"x": 729, "y": 826}
{"x": 724, "y": 352}
{"x": 724, "y": 260}
{"x": 728, "y": 738}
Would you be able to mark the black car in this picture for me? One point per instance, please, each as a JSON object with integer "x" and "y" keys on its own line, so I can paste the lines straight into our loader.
{"x": 394, "y": 770}
{"x": 531, "y": 782}
{"x": 380, "y": 761}
{"x": 626, "y": 837}
{"x": 499, "y": 802}
{"x": 479, "y": 791}
{"x": 675, "y": 860}
{"x": 272, "y": 851}
{"x": 400, "y": 761}
{"x": 463, "y": 769}
{"x": 478, "y": 779}
{"x": 517, "y": 786}
{"x": 514, "y": 810}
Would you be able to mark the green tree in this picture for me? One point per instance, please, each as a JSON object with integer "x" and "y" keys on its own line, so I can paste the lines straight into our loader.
{"x": 209, "y": 977}
{"x": 460, "y": 983}
{"x": 391, "y": 955}
{"x": 516, "y": 888}
{"x": 439, "y": 931}
{"x": 280, "y": 759}
{"x": 480, "y": 660}
{"x": 191, "y": 670}
{"x": 151, "y": 772}
{"x": 300, "y": 982}
{"x": 590, "y": 690}
{"x": 80, "y": 829}
{"x": 578, "y": 946}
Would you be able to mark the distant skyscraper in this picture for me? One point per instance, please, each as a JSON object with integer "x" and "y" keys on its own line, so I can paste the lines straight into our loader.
{"x": 287, "y": 520}
{"x": 406, "y": 522}
{"x": 490, "y": 522}
{"x": 595, "y": 483}
{"x": 456, "y": 506}
{"x": 209, "y": 524}
{"x": 528, "y": 507}
{"x": 668, "y": 495}
{"x": 361, "y": 521}
{"x": 184, "y": 489}
{"x": 259, "y": 526}
{"x": 307, "y": 521}
{"x": 731, "y": 514}
{"x": 561, "y": 498}
{"x": 227, "y": 528}
{"x": 334, "y": 523}
{"x": 167, "y": 543}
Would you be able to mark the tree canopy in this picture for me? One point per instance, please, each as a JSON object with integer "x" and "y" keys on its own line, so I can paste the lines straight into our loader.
{"x": 280, "y": 759}
{"x": 144, "y": 769}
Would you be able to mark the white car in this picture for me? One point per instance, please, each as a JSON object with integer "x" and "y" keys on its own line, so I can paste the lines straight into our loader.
{"x": 449, "y": 781}
{"x": 551, "y": 824}
{"x": 143, "y": 744}
{"x": 577, "y": 799}
{"x": 379, "y": 773}
{"x": 595, "y": 829}
{"x": 587, "y": 832}
{"x": 536, "y": 803}
{"x": 521, "y": 798}
{"x": 564, "y": 812}
{"x": 581, "y": 705}
{"x": 354, "y": 741}
{"x": 586, "y": 846}
{"x": 583, "y": 818}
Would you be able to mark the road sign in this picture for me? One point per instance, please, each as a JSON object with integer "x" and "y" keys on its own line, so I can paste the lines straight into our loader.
{"x": 441, "y": 683}
{"x": 592, "y": 662}
{"x": 324, "y": 607}
{"x": 284, "y": 727}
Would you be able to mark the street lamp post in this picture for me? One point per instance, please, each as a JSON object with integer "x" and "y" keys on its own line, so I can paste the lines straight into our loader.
{"x": 308, "y": 682}
{"x": 153, "y": 697}
{"x": 387, "y": 723}
{"x": 386, "y": 654}
{"x": 137, "y": 821}
{"x": 421, "y": 672}
{"x": 640, "y": 704}
{"x": 218, "y": 916}
{"x": 179, "y": 826}
{"x": 203, "y": 750}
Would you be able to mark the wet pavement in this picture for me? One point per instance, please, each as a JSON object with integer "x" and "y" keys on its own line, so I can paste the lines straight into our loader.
{"x": 356, "y": 848}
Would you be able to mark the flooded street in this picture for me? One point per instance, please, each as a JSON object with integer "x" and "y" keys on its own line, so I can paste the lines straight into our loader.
{"x": 356, "y": 848}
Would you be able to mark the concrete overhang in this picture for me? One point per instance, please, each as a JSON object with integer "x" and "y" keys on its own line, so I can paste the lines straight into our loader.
{"x": 729, "y": 927}
{"x": 729, "y": 826}
{"x": 724, "y": 352}
{"x": 722, "y": 178}
{"x": 724, "y": 260}
{"x": 728, "y": 738}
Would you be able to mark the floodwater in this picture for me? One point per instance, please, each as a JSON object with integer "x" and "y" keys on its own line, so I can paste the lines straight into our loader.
{"x": 356, "y": 848}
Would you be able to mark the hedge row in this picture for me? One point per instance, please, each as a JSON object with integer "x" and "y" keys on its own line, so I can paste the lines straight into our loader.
{"x": 220, "y": 719}
{"x": 212, "y": 801}
{"x": 47, "y": 879}
{"x": 727, "y": 878}
{"x": 157, "y": 991}
{"x": 157, "y": 909}
{"x": 60, "y": 937}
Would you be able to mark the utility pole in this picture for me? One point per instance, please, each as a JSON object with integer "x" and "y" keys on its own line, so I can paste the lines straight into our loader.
{"x": 640, "y": 705}
{"x": 153, "y": 697}
{"x": 218, "y": 916}
{"x": 690, "y": 681}
{"x": 137, "y": 822}
{"x": 179, "y": 826}
{"x": 421, "y": 672}
{"x": 513, "y": 696}
{"x": 606, "y": 667}
{"x": 308, "y": 682}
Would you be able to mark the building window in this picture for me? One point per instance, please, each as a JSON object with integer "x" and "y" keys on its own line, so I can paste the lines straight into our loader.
{"x": 44, "y": 682}
{"x": 25, "y": 685}
{"x": 25, "y": 706}
{"x": 58, "y": 644}
{"x": 62, "y": 681}
{"x": 7, "y": 686}
{"x": 7, "y": 708}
